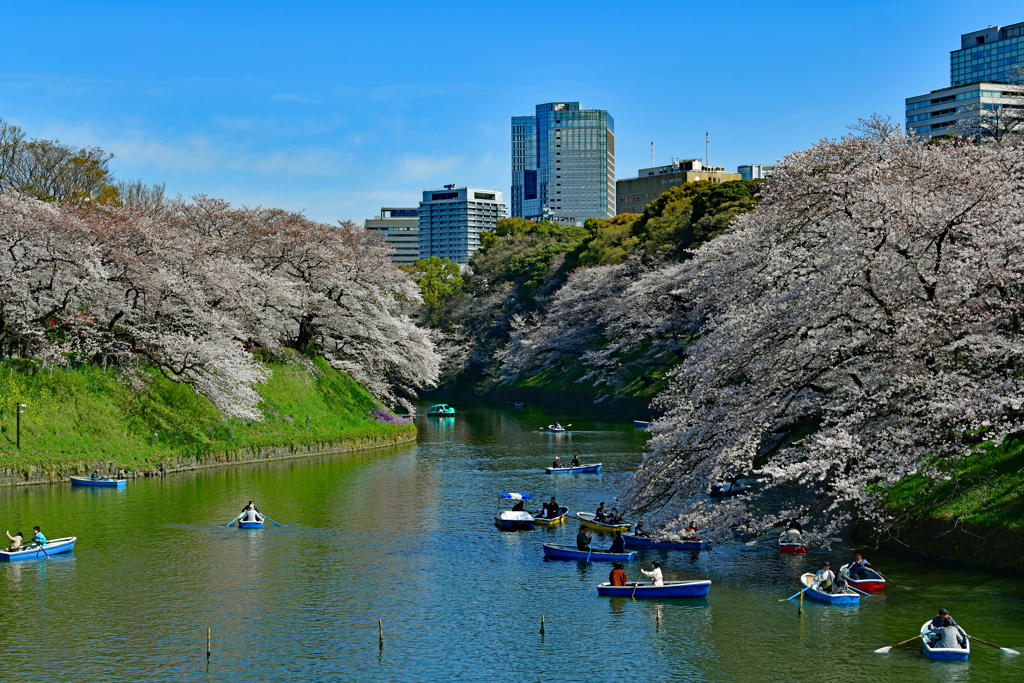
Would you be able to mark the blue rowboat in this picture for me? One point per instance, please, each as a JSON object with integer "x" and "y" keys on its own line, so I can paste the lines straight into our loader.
{"x": 440, "y": 410}
{"x": 568, "y": 552}
{"x": 930, "y": 652}
{"x": 518, "y": 404}
{"x": 641, "y": 542}
{"x": 671, "y": 589}
{"x": 579, "y": 469}
{"x": 35, "y": 552}
{"x": 848, "y": 597}
{"x": 641, "y": 424}
{"x": 250, "y": 525}
{"x": 105, "y": 482}
{"x": 556, "y": 430}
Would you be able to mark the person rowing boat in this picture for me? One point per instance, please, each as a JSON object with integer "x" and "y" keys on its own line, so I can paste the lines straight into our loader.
{"x": 948, "y": 635}
{"x": 600, "y": 515}
{"x": 825, "y": 578}
{"x": 575, "y": 461}
{"x": 250, "y": 513}
{"x": 937, "y": 621}
{"x": 793, "y": 535}
{"x": 655, "y": 573}
{"x": 553, "y": 509}
{"x": 583, "y": 539}
{"x": 858, "y": 568}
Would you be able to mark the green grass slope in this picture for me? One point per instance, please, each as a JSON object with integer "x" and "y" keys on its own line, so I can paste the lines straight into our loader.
{"x": 89, "y": 415}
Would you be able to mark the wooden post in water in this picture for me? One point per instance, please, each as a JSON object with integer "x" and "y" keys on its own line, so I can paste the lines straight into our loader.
{"x": 207, "y": 644}
{"x": 380, "y": 632}
{"x": 542, "y": 624}
{"x": 800, "y": 611}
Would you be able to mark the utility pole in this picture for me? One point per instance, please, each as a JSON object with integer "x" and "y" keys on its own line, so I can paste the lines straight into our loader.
{"x": 652, "y": 154}
{"x": 17, "y": 409}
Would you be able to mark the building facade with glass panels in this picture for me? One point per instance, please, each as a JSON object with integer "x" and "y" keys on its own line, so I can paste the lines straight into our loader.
{"x": 982, "y": 74}
{"x": 399, "y": 227}
{"x": 451, "y": 220}
{"x": 563, "y": 164}
{"x": 756, "y": 171}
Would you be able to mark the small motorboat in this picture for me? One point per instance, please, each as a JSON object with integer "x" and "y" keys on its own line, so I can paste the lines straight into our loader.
{"x": 786, "y": 547}
{"x": 440, "y": 410}
{"x": 563, "y": 514}
{"x": 514, "y": 519}
{"x": 594, "y": 467}
{"x": 846, "y": 597}
{"x": 556, "y": 430}
{"x": 928, "y": 637}
{"x": 640, "y": 424}
{"x": 642, "y": 542}
{"x": 568, "y": 552}
{"x": 103, "y": 482}
{"x": 670, "y": 589}
{"x": 37, "y": 552}
{"x": 873, "y": 582}
{"x": 588, "y": 521}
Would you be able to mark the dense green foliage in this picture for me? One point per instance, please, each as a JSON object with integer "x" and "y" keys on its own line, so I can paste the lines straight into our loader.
{"x": 521, "y": 252}
{"x": 439, "y": 279}
{"x": 88, "y": 415}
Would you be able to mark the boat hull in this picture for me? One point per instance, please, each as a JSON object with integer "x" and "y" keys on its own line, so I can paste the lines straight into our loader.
{"x": 250, "y": 525}
{"x": 587, "y": 518}
{"x": 792, "y": 548}
{"x": 955, "y": 654}
{"x": 640, "y": 542}
{"x": 562, "y": 516}
{"x": 99, "y": 483}
{"x": 556, "y": 430}
{"x": 565, "y": 552}
{"x": 671, "y": 589}
{"x": 581, "y": 469}
{"x": 641, "y": 424}
{"x": 849, "y": 598}
{"x": 513, "y": 520}
{"x": 57, "y": 546}
{"x": 873, "y": 583}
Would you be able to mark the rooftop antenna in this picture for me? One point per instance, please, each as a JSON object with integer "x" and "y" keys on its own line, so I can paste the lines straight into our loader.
{"x": 707, "y": 159}
{"x": 652, "y": 154}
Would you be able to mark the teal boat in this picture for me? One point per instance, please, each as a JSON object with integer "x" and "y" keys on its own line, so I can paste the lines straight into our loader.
{"x": 440, "y": 410}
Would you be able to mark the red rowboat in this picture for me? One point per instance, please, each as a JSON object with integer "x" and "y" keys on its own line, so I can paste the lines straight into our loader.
{"x": 791, "y": 547}
{"x": 874, "y": 582}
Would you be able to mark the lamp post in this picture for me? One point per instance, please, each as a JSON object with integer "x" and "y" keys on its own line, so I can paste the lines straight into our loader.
{"x": 18, "y": 409}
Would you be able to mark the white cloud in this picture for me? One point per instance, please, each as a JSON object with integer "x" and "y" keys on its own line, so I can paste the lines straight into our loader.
{"x": 139, "y": 149}
{"x": 417, "y": 167}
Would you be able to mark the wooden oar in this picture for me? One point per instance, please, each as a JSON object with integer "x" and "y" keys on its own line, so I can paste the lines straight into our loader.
{"x": 798, "y": 592}
{"x": 895, "y": 585}
{"x": 1007, "y": 650}
{"x": 633, "y": 594}
{"x": 268, "y": 518}
{"x": 883, "y": 650}
{"x": 235, "y": 519}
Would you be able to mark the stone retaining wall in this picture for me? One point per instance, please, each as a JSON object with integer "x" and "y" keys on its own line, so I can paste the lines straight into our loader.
{"x": 999, "y": 549}
{"x": 14, "y": 477}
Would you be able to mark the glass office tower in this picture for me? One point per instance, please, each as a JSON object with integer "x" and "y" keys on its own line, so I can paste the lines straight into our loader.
{"x": 988, "y": 55}
{"x": 563, "y": 164}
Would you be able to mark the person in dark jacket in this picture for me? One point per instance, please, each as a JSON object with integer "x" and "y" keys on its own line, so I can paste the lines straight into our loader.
{"x": 942, "y": 616}
{"x": 949, "y": 636}
{"x": 618, "y": 544}
{"x": 583, "y": 539}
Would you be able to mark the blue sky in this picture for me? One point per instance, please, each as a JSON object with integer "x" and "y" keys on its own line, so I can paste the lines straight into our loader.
{"x": 339, "y": 108}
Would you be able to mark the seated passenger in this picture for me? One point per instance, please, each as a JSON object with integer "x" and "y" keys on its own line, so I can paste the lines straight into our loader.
{"x": 937, "y": 622}
{"x": 600, "y": 515}
{"x": 825, "y": 579}
{"x": 556, "y": 463}
{"x": 553, "y": 509}
{"x": 16, "y": 540}
{"x": 641, "y": 528}
{"x": 575, "y": 461}
{"x": 618, "y": 544}
{"x": 617, "y": 577}
{"x": 949, "y": 636}
{"x": 519, "y": 507}
{"x": 793, "y": 535}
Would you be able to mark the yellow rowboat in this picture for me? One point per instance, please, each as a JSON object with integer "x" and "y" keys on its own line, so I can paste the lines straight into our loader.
{"x": 588, "y": 521}
{"x": 562, "y": 516}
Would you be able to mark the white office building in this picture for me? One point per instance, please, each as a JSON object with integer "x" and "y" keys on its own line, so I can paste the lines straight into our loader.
{"x": 451, "y": 220}
{"x": 756, "y": 171}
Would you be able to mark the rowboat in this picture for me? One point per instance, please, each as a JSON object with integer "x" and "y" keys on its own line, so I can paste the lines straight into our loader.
{"x": 518, "y": 404}
{"x": 579, "y": 469}
{"x": 641, "y": 542}
{"x": 728, "y": 489}
{"x": 105, "y": 482}
{"x": 514, "y": 519}
{"x": 847, "y": 597}
{"x": 36, "y": 552}
{"x": 563, "y": 514}
{"x": 250, "y": 525}
{"x": 440, "y": 410}
{"x": 588, "y": 521}
{"x": 641, "y": 424}
{"x": 568, "y": 552}
{"x": 671, "y": 589}
{"x": 556, "y": 430}
{"x": 874, "y": 582}
{"x": 791, "y": 547}
{"x": 941, "y": 652}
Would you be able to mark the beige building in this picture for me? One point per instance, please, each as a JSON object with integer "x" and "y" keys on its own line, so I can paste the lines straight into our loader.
{"x": 634, "y": 194}
{"x": 400, "y": 228}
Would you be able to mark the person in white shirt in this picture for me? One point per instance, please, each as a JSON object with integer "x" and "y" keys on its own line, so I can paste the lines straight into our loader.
{"x": 251, "y": 514}
{"x": 825, "y": 578}
{"x": 793, "y": 535}
{"x": 655, "y": 573}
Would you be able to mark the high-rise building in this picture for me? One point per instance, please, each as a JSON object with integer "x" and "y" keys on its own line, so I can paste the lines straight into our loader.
{"x": 451, "y": 220}
{"x": 756, "y": 171}
{"x": 400, "y": 228}
{"x": 563, "y": 164}
{"x": 981, "y": 79}
{"x": 634, "y": 194}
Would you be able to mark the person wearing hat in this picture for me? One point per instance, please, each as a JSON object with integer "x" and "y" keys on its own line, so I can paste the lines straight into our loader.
{"x": 583, "y": 539}
{"x": 938, "y": 622}
{"x": 825, "y": 578}
{"x": 617, "y": 577}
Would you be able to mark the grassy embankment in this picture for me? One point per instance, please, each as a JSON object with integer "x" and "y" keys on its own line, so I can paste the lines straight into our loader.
{"x": 88, "y": 415}
{"x": 985, "y": 491}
